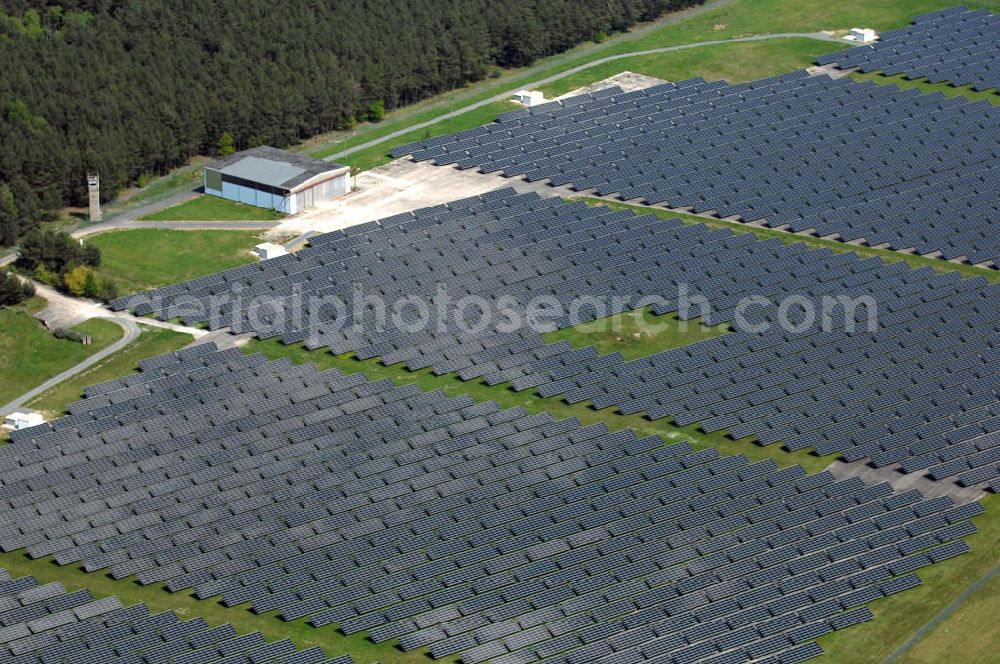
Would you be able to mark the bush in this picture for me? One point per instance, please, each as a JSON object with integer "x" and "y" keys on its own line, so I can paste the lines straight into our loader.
{"x": 226, "y": 144}
{"x": 83, "y": 281}
{"x": 56, "y": 259}
{"x": 48, "y": 277}
{"x": 13, "y": 290}
{"x": 90, "y": 255}
{"x": 79, "y": 281}
{"x": 376, "y": 111}
{"x": 107, "y": 290}
{"x": 66, "y": 333}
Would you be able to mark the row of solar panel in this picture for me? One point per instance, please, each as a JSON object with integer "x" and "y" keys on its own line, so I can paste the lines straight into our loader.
{"x": 44, "y": 623}
{"x": 669, "y": 145}
{"x": 910, "y": 384}
{"x": 445, "y": 523}
{"x": 956, "y": 45}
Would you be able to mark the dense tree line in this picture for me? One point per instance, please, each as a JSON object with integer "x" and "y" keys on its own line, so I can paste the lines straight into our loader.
{"x": 134, "y": 87}
{"x": 56, "y": 259}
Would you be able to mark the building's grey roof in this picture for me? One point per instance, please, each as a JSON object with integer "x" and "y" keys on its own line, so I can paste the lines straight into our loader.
{"x": 274, "y": 167}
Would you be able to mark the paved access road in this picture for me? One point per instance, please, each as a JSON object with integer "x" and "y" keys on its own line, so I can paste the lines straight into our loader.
{"x": 63, "y": 310}
{"x": 822, "y": 36}
{"x": 132, "y": 333}
{"x": 133, "y": 219}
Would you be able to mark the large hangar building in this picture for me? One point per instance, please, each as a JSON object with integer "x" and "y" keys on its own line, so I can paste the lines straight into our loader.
{"x": 277, "y": 179}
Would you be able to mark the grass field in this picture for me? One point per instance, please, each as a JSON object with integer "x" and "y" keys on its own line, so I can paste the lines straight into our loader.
{"x": 738, "y": 19}
{"x": 736, "y": 63}
{"x": 636, "y": 334}
{"x": 733, "y": 62}
{"x": 30, "y": 355}
{"x": 376, "y": 156}
{"x": 952, "y": 635}
{"x": 152, "y": 342}
{"x": 157, "y": 188}
{"x": 144, "y": 258}
{"x": 213, "y": 208}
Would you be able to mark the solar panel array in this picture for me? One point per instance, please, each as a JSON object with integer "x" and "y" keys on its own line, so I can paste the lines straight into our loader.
{"x": 921, "y": 390}
{"x": 445, "y": 523}
{"x": 43, "y": 624}
{"x": 865, "y": 162}
{"x": 956, "y": 46}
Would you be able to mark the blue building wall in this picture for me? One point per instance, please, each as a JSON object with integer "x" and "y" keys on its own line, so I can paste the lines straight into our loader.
{"x": 249, "y": 196}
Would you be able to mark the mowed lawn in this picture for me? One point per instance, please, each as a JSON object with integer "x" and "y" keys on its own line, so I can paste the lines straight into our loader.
{"x": 635, "y": 334}
{"x": 738, "y": 62}
{"x": 213, "y": 208}
{"x": 144, "y": 258}
{"x": 30, "y": 354}
{"x": 735, "y": 63}
{"x": 152, "y": 342}
{"x": 755, "y": 17}
{"x": 377, "y": 155}
{"x": 954, "y": 634}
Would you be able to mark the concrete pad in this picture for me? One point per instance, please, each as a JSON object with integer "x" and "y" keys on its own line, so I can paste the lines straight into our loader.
{"x": 400, "y": 186}
{"x": 830, "y": 70}
{"x": 628, "y": 81}
{"x": 66, "y": 312}
{"x": 223, "y": 338}
{"x": 904, "y": 482}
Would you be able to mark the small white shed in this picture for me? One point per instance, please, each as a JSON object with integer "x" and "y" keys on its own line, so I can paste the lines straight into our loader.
{"x": 20, "y": 419}
{"x": 529, "y": 97}
{"x": 862, "y": 35}
{"x": 268, "y": 250}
